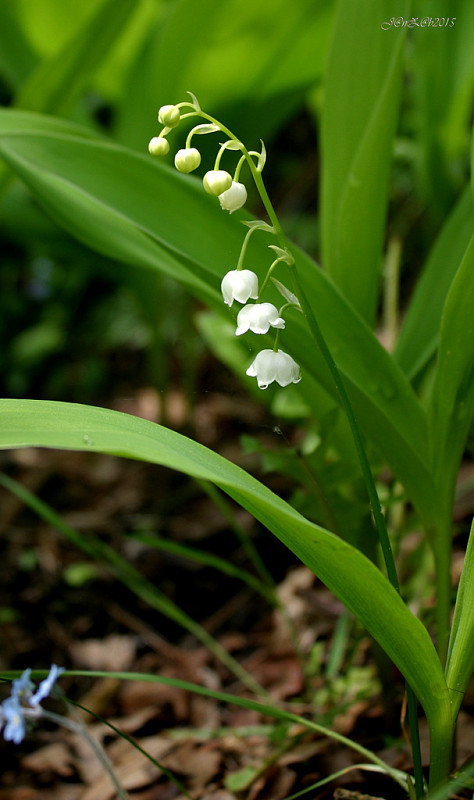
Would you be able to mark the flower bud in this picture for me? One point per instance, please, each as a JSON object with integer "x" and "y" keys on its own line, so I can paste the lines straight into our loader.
{"x": 258, "y": 318}
{"x": 187, "y": 160}
{"x": 269, "y": 366}
{"x": 240, "y": 285}
{"x": 233, "y": 198}
{"x": 217, "y": 181}
{"x": 158, "y": 146}
{"x": 169, "y": 116}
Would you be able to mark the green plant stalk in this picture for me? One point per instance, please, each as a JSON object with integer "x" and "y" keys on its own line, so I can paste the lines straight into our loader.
{"x": 364, "y": 462}
{"x": 241, "y": 534}
{"x": 72, "y": 704}
{"x": 442, "y": 551}
{"x": 80, "y": 729}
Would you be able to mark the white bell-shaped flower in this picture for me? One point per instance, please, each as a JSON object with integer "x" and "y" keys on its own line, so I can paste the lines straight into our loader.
{"x": 188, "y": 159}
{"x": 169, "y": 116}
{"x": 239, "y": 284}
{"x": 217, "y": 181}
{"x": 258, "y": 318}
{"x": 158, "y": 146}
{"x": 269, "y": 366}
{"x": 233, "y": 198}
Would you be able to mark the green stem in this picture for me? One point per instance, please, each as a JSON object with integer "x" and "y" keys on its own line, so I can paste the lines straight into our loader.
{"x": 243, "y": 249}
{"x": 441, "y": 751}
{"x": 364, "y": 462}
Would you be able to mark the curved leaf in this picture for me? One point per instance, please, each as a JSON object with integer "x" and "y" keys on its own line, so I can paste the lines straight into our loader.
{"x": 452, "y": 399}
{"x": 351, "y": 576}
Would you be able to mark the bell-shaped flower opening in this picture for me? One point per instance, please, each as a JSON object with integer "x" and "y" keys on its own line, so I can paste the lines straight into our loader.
{"x": 188, "y": 159}
{"x": 158, "y": 146}
{"x": 269, "y": 366}
{"x": 217, "y": 181}
{"x": 233, "y": 198}
{"x": 240, "y": 285}
{"x": 258, "y": 318}
{"x": 169, "y": 116}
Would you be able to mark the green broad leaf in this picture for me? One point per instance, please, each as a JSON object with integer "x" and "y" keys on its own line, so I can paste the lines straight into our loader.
{"x": 443, "y": 85}
{"x": 419, "y": 337}
{"x": 57, "y": 81}
{"x": 140, "y": 211}
{"x": 352, "y": 577}
{"x": 51, "y": 161}
{"x": 452, "y": 398}
{"x": 460, "y": 664}
{"x": 362, "y": 93}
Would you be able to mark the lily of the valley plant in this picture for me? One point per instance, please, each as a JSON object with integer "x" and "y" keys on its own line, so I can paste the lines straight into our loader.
{"x": 239, "y": 284}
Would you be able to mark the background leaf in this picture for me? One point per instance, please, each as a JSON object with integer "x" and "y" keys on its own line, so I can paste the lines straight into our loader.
{"x": 419, "y": 336}
{"x": 57, "y": 81}
{"x": 362, "y": 91}
{"x": 452, "y": 400}
{"x": 460, "y": 665}
{"x": 252, "y": 61}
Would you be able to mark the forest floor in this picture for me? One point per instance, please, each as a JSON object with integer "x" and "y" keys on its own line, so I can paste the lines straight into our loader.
{"x": 58, "y": 605}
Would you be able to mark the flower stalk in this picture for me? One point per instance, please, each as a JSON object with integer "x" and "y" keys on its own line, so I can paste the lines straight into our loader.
{"x": 275, "y": 365}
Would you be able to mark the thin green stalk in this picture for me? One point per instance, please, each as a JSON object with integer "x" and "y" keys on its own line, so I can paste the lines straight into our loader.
{"x": 181, "y": 789}
{"x": 391, "y": 290}
{"x": 242, "y": 535}
{"x": 80, "y": 729}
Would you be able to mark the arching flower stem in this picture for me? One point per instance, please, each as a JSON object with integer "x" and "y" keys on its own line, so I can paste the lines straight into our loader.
{"x": 243, "y": 250}
{"x": 267, "y": 278}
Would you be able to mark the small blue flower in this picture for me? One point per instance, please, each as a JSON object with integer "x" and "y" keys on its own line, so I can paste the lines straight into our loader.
{"x": 14, "y": 730}
{"x": 22, "y": 687}
{"x": 45, "y": 686}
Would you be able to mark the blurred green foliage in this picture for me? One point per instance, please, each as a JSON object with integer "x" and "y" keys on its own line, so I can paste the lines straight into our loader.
{"x": 111, "y": 64}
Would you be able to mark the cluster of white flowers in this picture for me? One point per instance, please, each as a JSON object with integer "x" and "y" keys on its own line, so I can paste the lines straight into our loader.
{"x": 268, "y": 365}
{"x": 231, "y": 193}
{"x": 238, "y": 284}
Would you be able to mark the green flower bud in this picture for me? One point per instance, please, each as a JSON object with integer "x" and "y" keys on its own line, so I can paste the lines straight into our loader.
{"x": 187, "y": 160}
{"x": 217, "y": 181}
{"x": 169, "y": 116}
{"x": 158, "y": 146}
